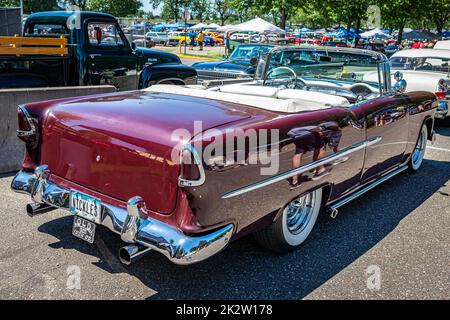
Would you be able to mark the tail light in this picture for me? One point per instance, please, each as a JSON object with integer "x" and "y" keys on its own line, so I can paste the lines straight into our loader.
{"x": 441, "y": 90}
{"x": 192, "y": 172}
{"x": 27, "y": 127}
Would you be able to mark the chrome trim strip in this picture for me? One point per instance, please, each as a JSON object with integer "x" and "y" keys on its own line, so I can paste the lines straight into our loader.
{"x": 311, "y": 166}
{"x": 198, "y": 161}
{"x": 21, "y": 133}
{"x": 131, "y": 223}
{"x": 367, "y": 188}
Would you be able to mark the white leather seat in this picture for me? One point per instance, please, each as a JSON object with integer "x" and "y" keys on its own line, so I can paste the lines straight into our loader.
{"x": 285, "y": 94}
{"x": 267, "y": 103}
{"x": 319, "y": 97}
{"x": 250, "y": 90}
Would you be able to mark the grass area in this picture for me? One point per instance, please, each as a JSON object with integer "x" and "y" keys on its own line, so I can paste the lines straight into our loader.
{"x": 208, "y": 54}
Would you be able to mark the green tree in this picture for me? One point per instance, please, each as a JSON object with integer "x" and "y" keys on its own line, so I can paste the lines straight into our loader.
{"x": 30, "y": 6}
{"x": 280, "y": 8}
{"x": 244, "y": 10}
{"x": 9, "y": 3}
{"x": 223, "y": 10}
{"x": 171, "y": 9}
{"x": 118, "y": 8}
{"x": 200, "y": 9}
{"x": 396, "y": 14}
{"x": 81, "y": 4}
{"x": 438, "y": 11}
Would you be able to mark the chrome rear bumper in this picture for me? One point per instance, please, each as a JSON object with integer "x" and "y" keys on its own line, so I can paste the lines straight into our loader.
{"x": 130, "y": 223}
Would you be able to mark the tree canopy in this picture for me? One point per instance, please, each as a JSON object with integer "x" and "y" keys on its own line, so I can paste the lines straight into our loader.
{"x": 394, "y": 14}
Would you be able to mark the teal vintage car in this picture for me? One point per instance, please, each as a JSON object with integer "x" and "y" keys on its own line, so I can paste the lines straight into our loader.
{"x": 99, "y": 53}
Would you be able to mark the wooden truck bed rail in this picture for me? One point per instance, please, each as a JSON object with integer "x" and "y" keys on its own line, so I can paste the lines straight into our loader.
{"x": 18, "y": 46}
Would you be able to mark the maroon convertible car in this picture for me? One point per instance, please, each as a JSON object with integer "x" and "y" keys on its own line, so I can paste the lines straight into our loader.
{"x": 185, "y": 170}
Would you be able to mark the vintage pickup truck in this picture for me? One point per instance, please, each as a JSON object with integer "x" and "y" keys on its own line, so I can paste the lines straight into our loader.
{"x": 183, "y": 170}
{"x": 98, "y": 53}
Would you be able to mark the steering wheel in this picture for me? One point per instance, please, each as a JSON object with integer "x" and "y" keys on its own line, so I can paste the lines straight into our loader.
{"x": 425, "y": 66}
{"x": 360, "y": 91}
{"x": 291, "y": 82}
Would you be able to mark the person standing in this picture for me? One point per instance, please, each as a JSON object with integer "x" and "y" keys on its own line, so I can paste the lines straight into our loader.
{"x": 200, "y": 39}
{"x": 191, "y": 40}
{"x": 227, "y": 44}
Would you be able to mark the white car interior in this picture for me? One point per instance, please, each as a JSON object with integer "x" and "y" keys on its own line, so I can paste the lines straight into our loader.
{"x": 268, "y": 98}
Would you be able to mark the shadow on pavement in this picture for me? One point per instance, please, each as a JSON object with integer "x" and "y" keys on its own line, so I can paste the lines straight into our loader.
{"x": 246, "y": 271}
{"x": 442, "y": 129}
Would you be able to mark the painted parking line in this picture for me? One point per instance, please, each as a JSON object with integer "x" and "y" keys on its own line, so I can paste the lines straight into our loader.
{"x": 438, "y": 149}
{"x": 196, "y": 57}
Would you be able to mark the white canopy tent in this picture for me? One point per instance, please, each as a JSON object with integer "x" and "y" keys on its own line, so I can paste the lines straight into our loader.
{"x": 375, "y": 33}
{"x": 224, "y": 28}
{"x": 255, "y": 25}
{"x": 199, "y": 26}
{"x": 213, "y": 26}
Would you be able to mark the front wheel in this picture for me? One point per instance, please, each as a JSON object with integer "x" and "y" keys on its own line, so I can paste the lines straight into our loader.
{"x": 294, "y": 224}
{"x": 419, "y": 151}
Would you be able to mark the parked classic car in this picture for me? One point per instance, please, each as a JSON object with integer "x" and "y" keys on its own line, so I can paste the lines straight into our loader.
{"x": 183, "y": 38}
{"x": 217, "y": 37}
{"x": 184, "y": 170}
{"x": 239, "y": 65}
{"x": 160, "y": 38}
{"x": 443, "y": 44}
{"x": 99, "y": 53}
{"x": 428, "y": 70}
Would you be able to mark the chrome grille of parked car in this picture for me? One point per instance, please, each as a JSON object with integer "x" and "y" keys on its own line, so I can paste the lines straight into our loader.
{"x": 208, "y": 75}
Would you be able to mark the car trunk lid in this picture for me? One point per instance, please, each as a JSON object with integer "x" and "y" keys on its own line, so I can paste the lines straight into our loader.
{"x": 121, "y": 144}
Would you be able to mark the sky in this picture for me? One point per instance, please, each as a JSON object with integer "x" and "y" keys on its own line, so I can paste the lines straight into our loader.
{"x": 147, "y": 6}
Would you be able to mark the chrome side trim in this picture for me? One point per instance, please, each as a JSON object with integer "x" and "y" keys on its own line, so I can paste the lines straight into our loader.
{"x": 131, "y": 223}
{"x": 172, "y": 79}
{"x": 198, "y": 161}
{"x": 367, "y": 188}
{"x": 311, "y": 166}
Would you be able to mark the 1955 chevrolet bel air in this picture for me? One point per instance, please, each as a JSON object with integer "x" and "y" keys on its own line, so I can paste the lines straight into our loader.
{"x": 185, "y": 170}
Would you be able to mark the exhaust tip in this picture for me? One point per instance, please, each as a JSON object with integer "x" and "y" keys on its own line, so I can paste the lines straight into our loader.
{"x": 132, "y": 253}
{"x": 124, "y": 256}
{"x": 34, "y": 209}
{"x": 30, "y": 210}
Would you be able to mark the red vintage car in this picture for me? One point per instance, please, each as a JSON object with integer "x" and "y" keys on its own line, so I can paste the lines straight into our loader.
{"x": 185, "y": 170}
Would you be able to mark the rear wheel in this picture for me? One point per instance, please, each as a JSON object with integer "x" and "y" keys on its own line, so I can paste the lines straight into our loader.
{"x": 294, "y": 224}
{"x": 419, "y": 151}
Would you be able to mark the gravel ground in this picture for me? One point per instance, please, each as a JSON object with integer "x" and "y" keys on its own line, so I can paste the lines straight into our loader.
{"x": 398, "y": 233}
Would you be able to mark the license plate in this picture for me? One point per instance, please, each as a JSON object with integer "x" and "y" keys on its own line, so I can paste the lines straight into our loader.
{"x": 83, "y": 229}
{"x": 85, "y": 206}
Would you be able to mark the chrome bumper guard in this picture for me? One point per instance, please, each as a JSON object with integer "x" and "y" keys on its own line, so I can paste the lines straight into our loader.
{"x": 178, "y": 247}
{"x": 442, "y": 110}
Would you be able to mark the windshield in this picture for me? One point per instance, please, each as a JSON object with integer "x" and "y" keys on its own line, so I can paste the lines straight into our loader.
{"x": 421, "y": 64}
{"x": 245, "y": 53}
{"x": 353, "y": 67}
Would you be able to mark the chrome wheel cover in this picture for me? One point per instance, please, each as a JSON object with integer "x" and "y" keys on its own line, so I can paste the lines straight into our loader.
{"x": 299, "y": 213}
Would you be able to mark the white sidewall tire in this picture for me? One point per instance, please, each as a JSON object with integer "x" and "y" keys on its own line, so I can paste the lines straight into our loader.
{"x": 415, "y": 166}
{"x": 295, "y": 240}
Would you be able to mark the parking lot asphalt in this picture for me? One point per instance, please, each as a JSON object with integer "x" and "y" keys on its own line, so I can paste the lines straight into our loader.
{"x": 399, "y": 232}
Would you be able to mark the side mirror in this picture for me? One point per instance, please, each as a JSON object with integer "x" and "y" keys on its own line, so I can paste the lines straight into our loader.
{"x": 133, "y": 46}
{"x": 400, "y": 86}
